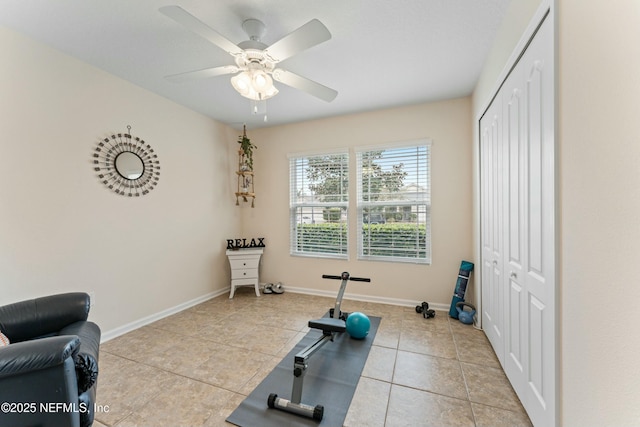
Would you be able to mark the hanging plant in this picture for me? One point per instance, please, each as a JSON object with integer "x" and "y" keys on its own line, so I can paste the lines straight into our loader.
{"x": 247, "y": 148}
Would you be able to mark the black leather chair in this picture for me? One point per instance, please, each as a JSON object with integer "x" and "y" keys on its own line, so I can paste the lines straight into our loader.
{"x": 49, "y": 372}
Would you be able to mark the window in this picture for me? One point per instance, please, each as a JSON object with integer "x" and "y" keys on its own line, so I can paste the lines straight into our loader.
{"x": 394, "y": 202}
{"x": 319, "y": 204}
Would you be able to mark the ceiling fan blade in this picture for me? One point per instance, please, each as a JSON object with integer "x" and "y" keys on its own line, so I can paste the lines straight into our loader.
{"x": 304, "y": 84}
{"x": 202, "y": 74}
{"x": 193, "y": 24}
{"x": 310, "y": 34}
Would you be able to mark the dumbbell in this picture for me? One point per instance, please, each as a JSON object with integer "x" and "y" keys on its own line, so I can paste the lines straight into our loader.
{"x": 424, "y": 309}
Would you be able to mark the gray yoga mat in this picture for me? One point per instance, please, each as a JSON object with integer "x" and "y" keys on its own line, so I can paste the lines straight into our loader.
{"x": 331, "y": 380}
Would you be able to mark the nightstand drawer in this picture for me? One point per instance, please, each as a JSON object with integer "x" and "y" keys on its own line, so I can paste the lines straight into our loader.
{"x": 244, "y": 273}
{"x": 244, "y": 263}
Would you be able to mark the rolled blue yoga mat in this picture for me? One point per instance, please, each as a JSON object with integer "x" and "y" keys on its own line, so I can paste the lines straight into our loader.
{"x": 466, "y": 268}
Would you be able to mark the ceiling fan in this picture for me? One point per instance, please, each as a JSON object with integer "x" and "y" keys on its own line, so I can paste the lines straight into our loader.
{"x": 255, "y": 62}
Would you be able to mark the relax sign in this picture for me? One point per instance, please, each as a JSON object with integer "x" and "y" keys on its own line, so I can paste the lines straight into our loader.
{"x": 244, "y": 244}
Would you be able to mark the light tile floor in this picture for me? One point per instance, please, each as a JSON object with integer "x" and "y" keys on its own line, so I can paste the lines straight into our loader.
{"x": 195, "y": 367}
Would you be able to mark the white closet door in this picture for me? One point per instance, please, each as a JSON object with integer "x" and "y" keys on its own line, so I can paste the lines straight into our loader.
{"x": 513, "y": 102}
{"x": 492, "y": 183}
{"x": 539, "y": 278}
{"x": 517, "y": 174}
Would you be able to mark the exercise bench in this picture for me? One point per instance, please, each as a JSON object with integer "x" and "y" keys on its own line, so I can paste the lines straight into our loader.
{"x": 334, "y": 324}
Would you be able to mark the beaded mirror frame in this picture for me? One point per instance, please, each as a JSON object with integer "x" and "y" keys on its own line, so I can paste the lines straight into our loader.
{"x": 126, "y": 165}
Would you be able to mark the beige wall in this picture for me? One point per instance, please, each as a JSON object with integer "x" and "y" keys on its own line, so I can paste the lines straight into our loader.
{"x": 446, "y": 124}
{"x": 599, "y": 142}
{"x": 61, "y": 230}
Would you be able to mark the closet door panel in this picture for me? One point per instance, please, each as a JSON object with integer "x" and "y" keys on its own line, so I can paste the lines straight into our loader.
{"x": 516, "y": 351}
{"x": 492, "y": 190}
{"x": 514, "y": 127}
{"x": 534, "y": 155}
{"x": 535, "y": 395}
{"x": 515, "y": 256}
{"x": 537, "y": 63}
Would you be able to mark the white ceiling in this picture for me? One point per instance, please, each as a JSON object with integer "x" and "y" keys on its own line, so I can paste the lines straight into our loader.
{"x": 382, "y": 53}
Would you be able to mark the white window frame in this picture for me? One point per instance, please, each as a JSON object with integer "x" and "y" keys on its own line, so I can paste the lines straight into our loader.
{"x": 418, "y": 202}
{"x": 296, "y": 203}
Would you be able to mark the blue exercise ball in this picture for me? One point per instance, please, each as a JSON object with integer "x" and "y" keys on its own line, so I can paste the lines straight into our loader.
{"x": 358, "y": 325}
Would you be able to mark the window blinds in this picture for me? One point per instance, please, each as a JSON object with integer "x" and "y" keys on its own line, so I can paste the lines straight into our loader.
{"x": 394, "y": 202}
{"x": 319, "y": 204}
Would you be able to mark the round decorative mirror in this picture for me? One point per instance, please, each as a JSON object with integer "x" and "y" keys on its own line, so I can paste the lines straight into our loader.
{"x": 126, "y": 165}
{"x": 129, "y": 165}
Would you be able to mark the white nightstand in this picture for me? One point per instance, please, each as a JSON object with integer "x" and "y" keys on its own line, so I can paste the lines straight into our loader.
{"x": 244, "y": 269}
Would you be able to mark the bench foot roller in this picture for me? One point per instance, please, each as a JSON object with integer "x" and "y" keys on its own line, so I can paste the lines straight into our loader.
{"x": 315, "y": 412}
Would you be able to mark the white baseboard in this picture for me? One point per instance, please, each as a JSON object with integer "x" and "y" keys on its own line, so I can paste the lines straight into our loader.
{"x": 366, "y": 298}
{"x": 113, "y": 333}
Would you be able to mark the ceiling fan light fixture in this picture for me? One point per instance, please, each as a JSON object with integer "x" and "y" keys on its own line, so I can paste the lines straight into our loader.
{"x": 261, "y": 81}
{"x": 254, "y": 84}
{"x": 242, "y": 83}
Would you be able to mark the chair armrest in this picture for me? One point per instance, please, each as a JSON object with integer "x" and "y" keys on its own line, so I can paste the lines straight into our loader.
{"x": 86, "y": 361}
{"x": 89, "y": 334}
{"x": 38, "y": 354}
